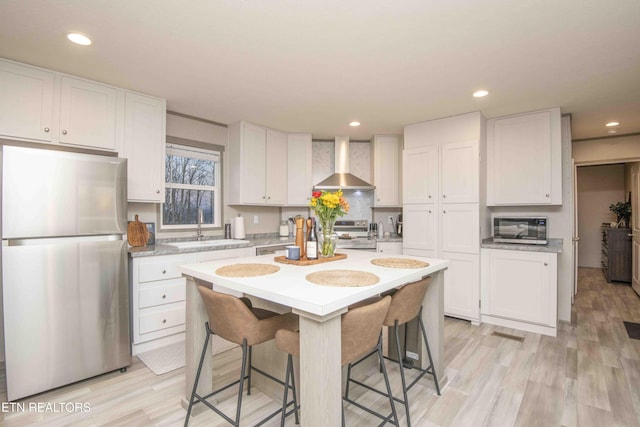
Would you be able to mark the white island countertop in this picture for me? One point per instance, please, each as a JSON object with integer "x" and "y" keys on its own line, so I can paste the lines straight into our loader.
{"x": 319, "y": 309}
{"x": 289, "y": 287}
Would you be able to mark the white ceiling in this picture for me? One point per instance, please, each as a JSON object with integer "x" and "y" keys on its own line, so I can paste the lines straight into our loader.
{"x": 314, "y": 65}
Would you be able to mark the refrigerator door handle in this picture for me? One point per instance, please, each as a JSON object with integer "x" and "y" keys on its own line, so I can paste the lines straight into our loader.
{"x": 59, "y": 240}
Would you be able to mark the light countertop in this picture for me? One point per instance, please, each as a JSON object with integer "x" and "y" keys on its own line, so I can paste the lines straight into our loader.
{"x": 253, "y": 240}
{"x": 289, "y": 287}
{"x": 553, "y": 245}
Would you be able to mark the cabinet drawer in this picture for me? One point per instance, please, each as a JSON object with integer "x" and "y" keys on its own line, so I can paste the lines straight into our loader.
{"x": 162, "y": 319}
{"x": 161, "y": 269}
{"x": 164, "y": 292}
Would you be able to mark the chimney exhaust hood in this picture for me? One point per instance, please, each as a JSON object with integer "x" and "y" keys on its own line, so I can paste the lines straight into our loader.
{"x": 342, "y": 179}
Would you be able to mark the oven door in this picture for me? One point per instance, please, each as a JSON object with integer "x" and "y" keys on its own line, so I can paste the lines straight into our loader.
{"x": 363, "y": 244}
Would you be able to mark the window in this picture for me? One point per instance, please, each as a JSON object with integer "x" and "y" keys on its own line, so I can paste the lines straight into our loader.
{"x": 192, "y": 181}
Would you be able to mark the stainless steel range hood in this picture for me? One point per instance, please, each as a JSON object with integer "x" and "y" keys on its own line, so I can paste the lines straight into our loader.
{"x": 342, "y": 178}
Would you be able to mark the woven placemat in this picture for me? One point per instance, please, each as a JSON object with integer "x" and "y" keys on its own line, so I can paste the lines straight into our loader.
{"x": 399, "y": 263}
{"x": 342, "y": 278}
{"x": 247, "y": 270}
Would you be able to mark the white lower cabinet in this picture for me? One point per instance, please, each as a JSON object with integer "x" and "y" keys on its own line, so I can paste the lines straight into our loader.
{"x": 158, "y": 298}
{"x": 461, "y": 286}
{"x": 389, "y": 248}
{"x": 519, "y": 290}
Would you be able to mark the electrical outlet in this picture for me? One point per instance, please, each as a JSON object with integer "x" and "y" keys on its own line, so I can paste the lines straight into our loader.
{"x": 390, "y": 219}
{"x": 256, "y": 220}
{"x": 412, "y": 355}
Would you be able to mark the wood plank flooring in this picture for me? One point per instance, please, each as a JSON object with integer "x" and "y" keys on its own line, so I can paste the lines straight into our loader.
{"x": 588, "y": 376}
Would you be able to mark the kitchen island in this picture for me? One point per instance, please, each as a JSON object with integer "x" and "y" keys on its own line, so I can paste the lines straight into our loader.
{"x": 319, "y": 308}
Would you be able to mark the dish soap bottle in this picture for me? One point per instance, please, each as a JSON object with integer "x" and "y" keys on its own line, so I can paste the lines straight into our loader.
{"x": 380, "y": 230}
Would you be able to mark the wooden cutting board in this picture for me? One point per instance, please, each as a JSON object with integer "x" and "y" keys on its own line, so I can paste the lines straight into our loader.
{"x": 137, "y": 233}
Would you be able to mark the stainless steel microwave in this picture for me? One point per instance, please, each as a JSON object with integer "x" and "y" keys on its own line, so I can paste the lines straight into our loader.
{"x": 513, "y": 229}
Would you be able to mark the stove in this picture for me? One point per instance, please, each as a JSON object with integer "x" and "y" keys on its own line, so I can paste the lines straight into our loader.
{"x": 352, "y": 234}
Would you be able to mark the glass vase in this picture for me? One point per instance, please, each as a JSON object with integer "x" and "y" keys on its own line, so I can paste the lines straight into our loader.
{"x": 327, "y": 238}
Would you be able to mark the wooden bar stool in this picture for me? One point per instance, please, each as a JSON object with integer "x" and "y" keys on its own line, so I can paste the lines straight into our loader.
{"x": 361, "y": 332}
{"x": 235, "y": 320}
{"x": 406, "y": 305}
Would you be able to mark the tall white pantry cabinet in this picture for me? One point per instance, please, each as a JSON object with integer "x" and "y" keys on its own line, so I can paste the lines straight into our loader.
{"x": 444, "y": 203}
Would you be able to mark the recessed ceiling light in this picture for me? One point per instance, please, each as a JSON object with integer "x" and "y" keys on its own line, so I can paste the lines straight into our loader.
{"x": 80, "y": 39}
{"x": 354, "y": 123}
{"x": 612, "y": 131}
{"x": 480, "y": 93}
{"x": 611, "y": 124}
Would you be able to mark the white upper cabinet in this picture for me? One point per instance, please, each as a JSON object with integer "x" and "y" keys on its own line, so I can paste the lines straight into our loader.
{"x": 88, "y": 114}
{"x": 524, "y": 159}
{"x": 26, "y": 103}
{"x": 419, "y": 175}
{"x": 44, "y": 106}
{"x": 276, "y": 173}
{"x": 299, "y": 166}
{"x": 145, "y": 147}
{"x": 257, "y": 156}
{"x": 459, "y": 172}
{"x": 386, "y": 170}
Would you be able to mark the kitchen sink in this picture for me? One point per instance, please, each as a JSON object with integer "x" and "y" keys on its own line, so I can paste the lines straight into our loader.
{"x": 206, "y": 243}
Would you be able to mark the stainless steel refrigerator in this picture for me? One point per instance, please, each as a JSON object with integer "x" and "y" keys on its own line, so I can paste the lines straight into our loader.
{"x": 64, "y": 268}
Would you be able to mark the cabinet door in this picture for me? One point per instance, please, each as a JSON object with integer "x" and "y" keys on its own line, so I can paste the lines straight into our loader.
{"x": 524, "y": 159}
{"x": 26, "y": 104}
{"x": 419, "y": 222}
{"x": 253, "y": 165}
{"x": 462, "y": 286}
{"x": 87, "y": 114}
{"x": 299, "y": 168}
{"x": 460, "y": 228}
{"x": 521, "y": 286}
{"x": 276, "y": 172}
{"x": 386, "y": 173}
{"x": 459, "y": 172}
{"x": 144, "y": 147}
{"x": 419, "y": 175}
{"x": 389, "y": 248}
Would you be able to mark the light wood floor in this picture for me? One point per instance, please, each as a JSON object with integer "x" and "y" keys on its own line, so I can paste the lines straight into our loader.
{"x": 588, "y": 376}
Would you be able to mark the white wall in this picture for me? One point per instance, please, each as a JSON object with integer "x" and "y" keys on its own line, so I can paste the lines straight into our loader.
{"x": 598, "y": 187}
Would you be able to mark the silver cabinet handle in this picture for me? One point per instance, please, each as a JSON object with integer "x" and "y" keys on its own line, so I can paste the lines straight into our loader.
{"x": 269, "y": 198}
{"x": 545, "y": 264}
{"x": 157, "y": 191}
{"x": 164, "y": 296}
{"x": 429, "y": 195}
{"x": 164, "y": 320}
{"x": 630, "y": 235}
{"x": 164, "y": 271}
{"x": 444, "y": 196}
{"x": 444, "y": 211}
{"x": 64, "y": 132}
{"x": 46, "y": 129}
{"x": 264, "y": 197}
{"x": 429, "y": 211}
{"x": 546, "y": 195}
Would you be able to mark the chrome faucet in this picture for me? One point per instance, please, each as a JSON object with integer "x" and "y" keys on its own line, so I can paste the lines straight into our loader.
{"x": 199, "y": 236}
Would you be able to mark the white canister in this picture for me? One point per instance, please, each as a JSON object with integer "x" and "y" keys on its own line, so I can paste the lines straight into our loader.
{"x": 284, "y": 229}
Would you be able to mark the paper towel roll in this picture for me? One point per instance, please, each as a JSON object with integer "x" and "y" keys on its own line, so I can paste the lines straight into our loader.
{"x": 238, "y": 228}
